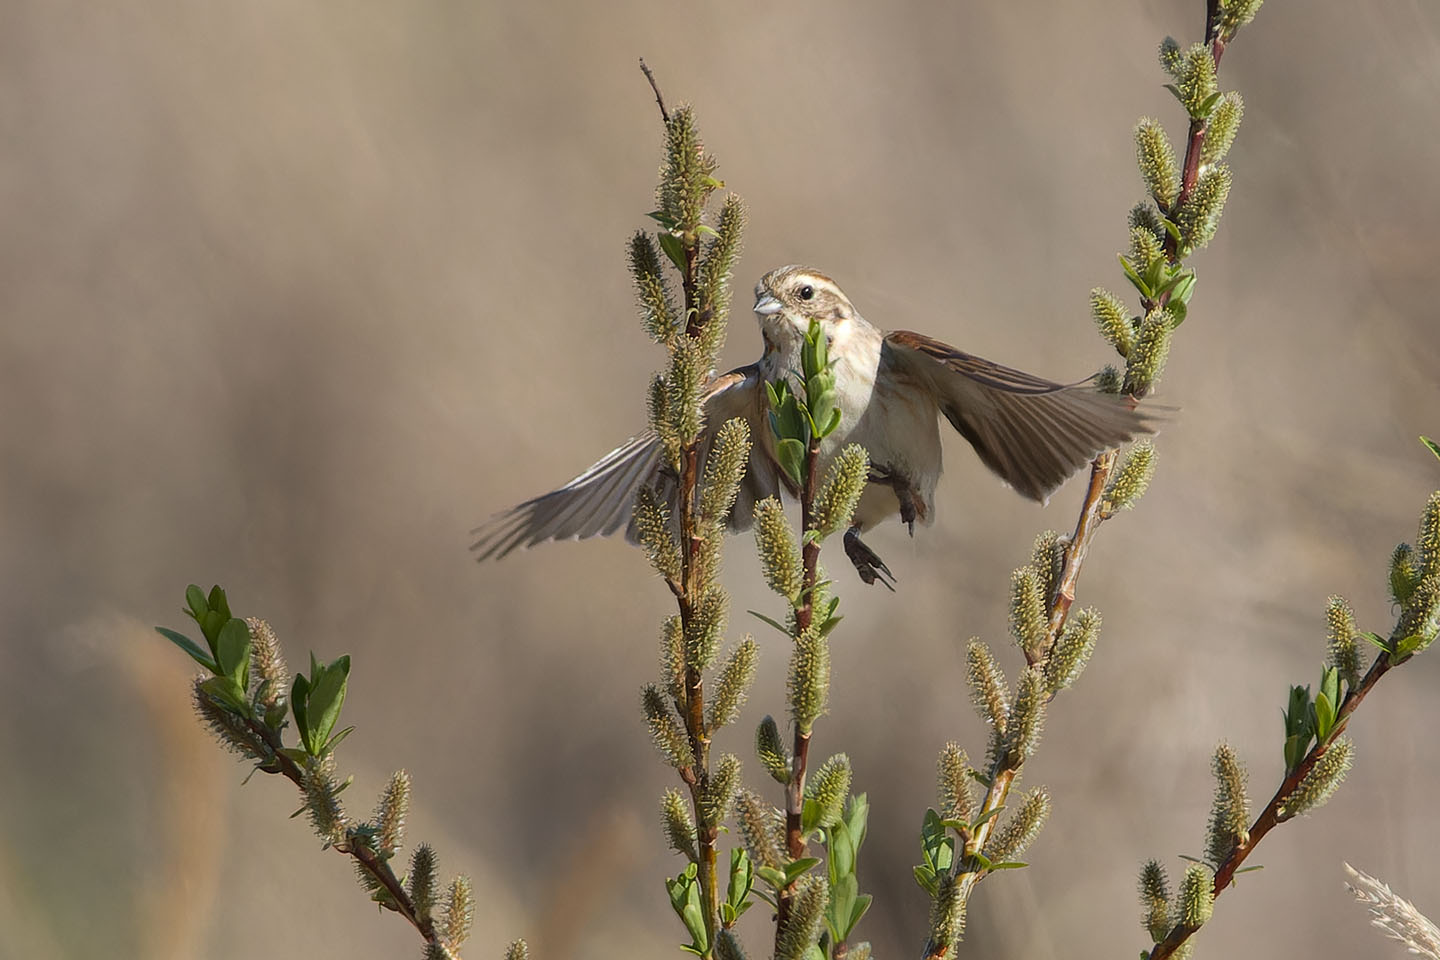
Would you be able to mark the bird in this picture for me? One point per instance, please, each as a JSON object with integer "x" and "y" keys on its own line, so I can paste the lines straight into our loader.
{"x": 892, "y": 389}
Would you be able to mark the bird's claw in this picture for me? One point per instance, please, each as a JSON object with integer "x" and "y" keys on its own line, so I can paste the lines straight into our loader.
{"x": 870, "y": 567}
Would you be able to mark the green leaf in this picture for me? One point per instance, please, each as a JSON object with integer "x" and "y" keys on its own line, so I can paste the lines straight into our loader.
{"x": 326, "y": 698}
{"x": 1208, "y": 106}
{"x": 195, "y": 600}
{"x": 673, "y": 248}
{"x": 335, "y": 741}
{"x": 226, "y": 691}
{"x": 232, "y": 651}
{"x": 770, "y": 875}
{"x": 791, "y": 454}
{"x": 1432, "y": 445}
{"x": 774, "y": 623}
{"x": 1324, "y": 716}
{"x": 1406, "y": 646}
{"x": 705, "y": 230}
{"x": 300, "y": 708}
{"x": 862, "y": 904}
{"x": 742, "y": 878}
{"x": 1007, "y": 865}
{"x": 925, "y": 877}
{"x": 795, "y": 869}
{"x": 841, "y": 862}
{"x": 1134, "y": 277}
{"x": 987, "y": 815}
{"x": 190, "y": 647}
{"x": 1376, "y": 639}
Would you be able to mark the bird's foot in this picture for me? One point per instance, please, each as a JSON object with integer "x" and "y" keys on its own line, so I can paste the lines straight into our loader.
{"x": 908, "y": 513}
{"x": 870, "y": 567}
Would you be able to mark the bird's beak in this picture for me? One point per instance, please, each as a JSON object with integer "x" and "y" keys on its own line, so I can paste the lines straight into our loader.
{"x": 767, "y": 306}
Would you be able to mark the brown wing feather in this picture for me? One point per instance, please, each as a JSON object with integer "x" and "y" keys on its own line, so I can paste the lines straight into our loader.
{"x": 1033, "y": 432}
{"x": 600, "y": 501}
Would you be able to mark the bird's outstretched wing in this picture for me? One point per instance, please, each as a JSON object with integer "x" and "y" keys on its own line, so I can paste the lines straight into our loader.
{"x": 1033, "y": 432}
{"x": 600, "y": 501}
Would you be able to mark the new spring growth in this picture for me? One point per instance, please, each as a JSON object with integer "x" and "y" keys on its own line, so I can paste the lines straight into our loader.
{"x": 988, "y": 690}
{"x": 665, "y": 730}
{"x": 1047, "y": 556}
{"x": 838, "y": 495}
{"x": 390, "y": 815}
{"x": 267, "y": 663}
{"x": 954, "y": 785}
{"x": 827, "y": 789}
{"x": 1221, "y": 128}
{"x": 1009, "y": 843}
{"x": 947, "y": 917}
{"x": 809, "y": 682}
{"x": 517, "y": 951}
{"x": 421, "y": 881}
{"x": 1230, "y": 811}
{"x": 719, "y": 793}
{"x": 728, "y": 947}
{"x": 1193, "y": 70}
{"x": 761, "y": 829}
{"x": 1234, "y": 14}
{"x": 652, "y": 530}
{"x": 1146, "y": 255}
{"x": 672, "y": 659}
{"x": 228, "y": 727}
{"x": 1427, "y": 540}
{"x": 322, "y": 803}
{"x": 1196, "y": 897}
{"x": 719, "y": 258}
{"x": 1029, "y": 615}
{"x": 803, "y": 924}
{"x": 732, "y": 685}
{"x": 1151, "y": 350}
{"x": 1113, "y": 320}
{"x": 1403, "y": 575}
{"x": 1154, "y": 901}
{"x": 771, "y": 751}
{"x": 779, "y": 554}
{"x": 1341, "y": 634}
{"x": 1072, "y": 651}
{"x": 1419, "y": 619}
{"x": 1027, "y": 717}
{"x": 1156, "y": 159}
{"x": 1199, "y": 216}
{"x": 706, "y": 623}
{"x": 657, "y": 314}
{"x": 1131, "y": 479}
{"x": 724, "y": 469}
{"x": 687, "y": 179}
{"x": 675, "y": 819}
{"x": 1320, "y": 781}
{"x": 459, "y": 912}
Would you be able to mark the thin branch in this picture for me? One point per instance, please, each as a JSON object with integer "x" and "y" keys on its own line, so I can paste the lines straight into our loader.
{"x": 360, "y": 852}
{"x": 659, "y": 100}
{"x": 1270, "y": 817}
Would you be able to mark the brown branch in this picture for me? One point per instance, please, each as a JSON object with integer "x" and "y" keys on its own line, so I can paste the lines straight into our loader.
{"x": 360, "y": 852}
{"x": 659, "y": 100}
{"x": 1272, "y": 816}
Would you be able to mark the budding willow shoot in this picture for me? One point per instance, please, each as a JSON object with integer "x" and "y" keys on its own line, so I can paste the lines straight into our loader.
{"x": 1230, "y": 811}
{"x": 1321, "y": 781}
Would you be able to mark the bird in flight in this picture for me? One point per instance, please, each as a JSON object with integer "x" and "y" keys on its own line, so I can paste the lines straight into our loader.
{"x": 892, "y": 389}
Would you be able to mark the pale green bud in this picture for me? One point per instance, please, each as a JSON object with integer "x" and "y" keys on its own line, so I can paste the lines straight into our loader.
{"x": 761, "y": 828}
{"x": 1029, "y": 616}
{"x": 805, "y": 921}
{"x": 732, "y": 685}
{"x": 1072, "y": 650}
{"x": 459, "y": 912}
{"x": 1221, "y": 128}
{"x": 779, "y": 555}
{"x": 1156, "y": 159}
{"x": 844, "y": 482}
{"x": 1342, "y": 632}
{"x": 421, "y": 881}
{"x": 947, "y": 918}
{"x": 675, "y": 819}
{"x": 724, "y": 469}
{"x": 652, "y": 530}
{"x": 1321, "y": 780}
{"x": 1131, "y": 479}
{"x": 1020, "y": 829}
{"x": 390, "y": 814}
{"x": 1196, "y": 899}
{"x": 1199, "y": 215}
{"x": 665, "y": 730}
{"x": 1027, "y": 717}
{"x": 1151, "y": 350}
{"x": 1230, "y": 811}
{"x": 828, "y": 788}
{"x": 771, "y": 751}
{"x": 1154, "y": 901}
{"x": 955, "y": 786}
{"x": 1113, "y": 320}
{"x": 809, "y": 681}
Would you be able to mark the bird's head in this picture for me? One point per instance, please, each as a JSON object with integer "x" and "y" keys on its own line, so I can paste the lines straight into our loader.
{"x": 787, "y": 299}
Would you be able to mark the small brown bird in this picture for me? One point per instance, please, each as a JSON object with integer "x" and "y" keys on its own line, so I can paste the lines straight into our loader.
{"x": 892, "y": 389}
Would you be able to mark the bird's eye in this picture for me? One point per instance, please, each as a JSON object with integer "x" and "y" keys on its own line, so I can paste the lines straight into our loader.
{"x": 807, "y": 292}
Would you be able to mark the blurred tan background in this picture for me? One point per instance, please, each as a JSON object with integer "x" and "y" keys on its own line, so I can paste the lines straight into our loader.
{"x": 294, "y": 294}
